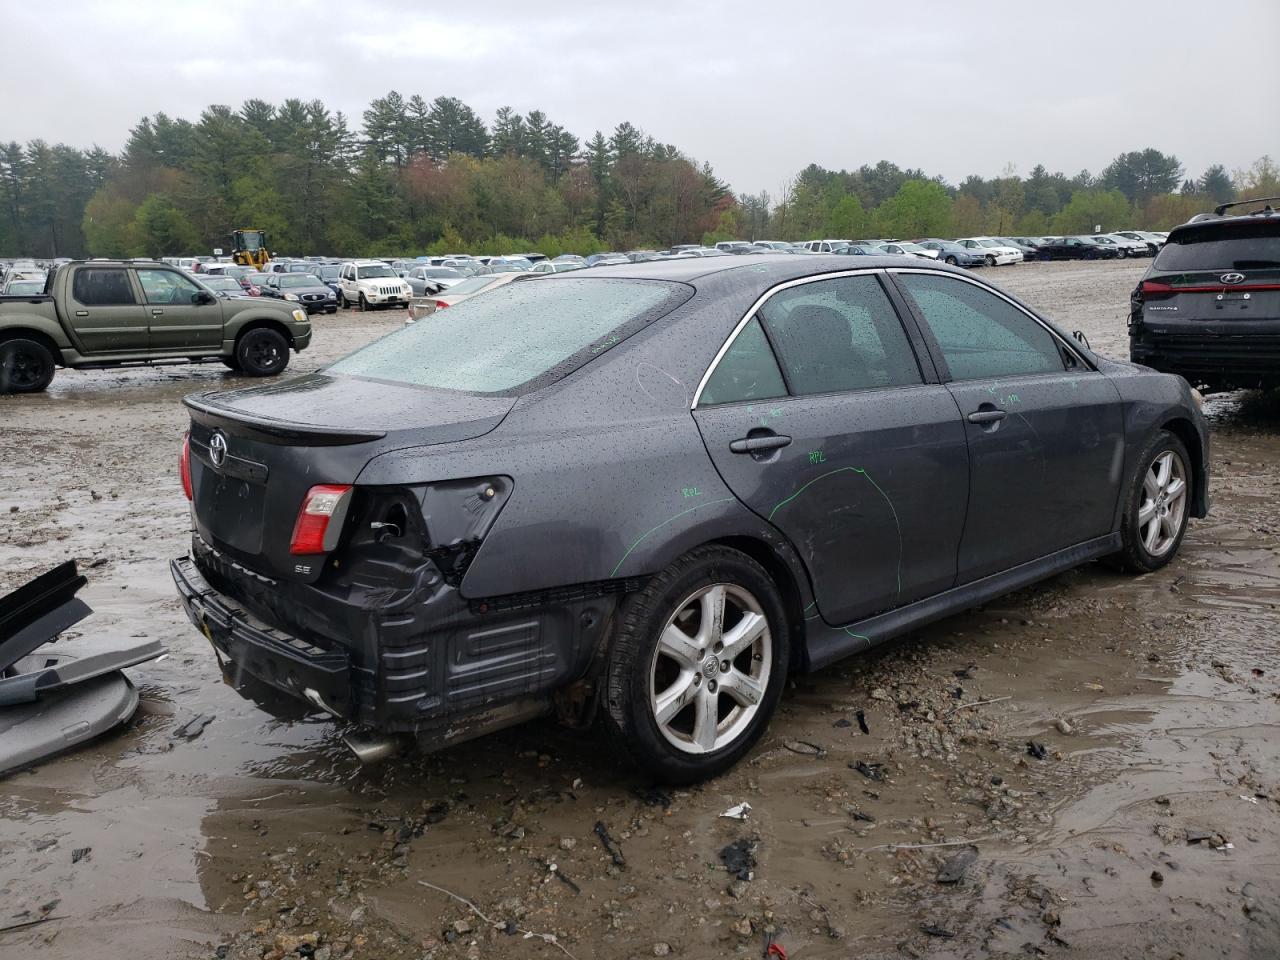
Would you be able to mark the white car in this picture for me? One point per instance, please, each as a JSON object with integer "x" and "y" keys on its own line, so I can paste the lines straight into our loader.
{"x": 994, "y": 252}
{"x": 825, "y": 246}
{"x": 908, "y": 250}
{"x": 371, "y": 283}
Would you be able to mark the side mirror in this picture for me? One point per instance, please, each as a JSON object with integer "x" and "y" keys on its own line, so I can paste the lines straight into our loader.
{"x": 203, "y": 297}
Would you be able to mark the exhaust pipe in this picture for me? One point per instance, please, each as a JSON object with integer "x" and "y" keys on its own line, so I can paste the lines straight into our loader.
{"x": 371, "y": 748}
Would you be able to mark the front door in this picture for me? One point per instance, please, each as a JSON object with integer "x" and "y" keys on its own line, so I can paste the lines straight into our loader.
{"x": 183, "y": 315}
{"x": 822, "y": 419}
{"x": 105, "y": 313}
{"x": 1045, "y": 430}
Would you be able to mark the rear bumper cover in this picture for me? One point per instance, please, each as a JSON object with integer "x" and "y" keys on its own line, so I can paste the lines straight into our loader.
{"x": 1235, "y": 360}
{"x": 247, "y": 647}
{"x": 420, "y": 661}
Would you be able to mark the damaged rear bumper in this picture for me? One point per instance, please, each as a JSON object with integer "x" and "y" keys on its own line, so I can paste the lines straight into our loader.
{"x": 246, "y": 647}
{"x": 422, "y": 661}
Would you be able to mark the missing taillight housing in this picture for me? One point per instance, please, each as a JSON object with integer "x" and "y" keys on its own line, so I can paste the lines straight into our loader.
{"x": 320, "y": 519}
{"x": 184, "y": 464}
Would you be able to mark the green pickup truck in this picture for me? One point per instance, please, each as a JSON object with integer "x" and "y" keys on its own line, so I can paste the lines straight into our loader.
{"x": 115, "y": 313}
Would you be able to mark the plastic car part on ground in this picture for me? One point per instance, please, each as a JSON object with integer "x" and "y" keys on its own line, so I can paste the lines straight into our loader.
{"x": 50, "y": 702}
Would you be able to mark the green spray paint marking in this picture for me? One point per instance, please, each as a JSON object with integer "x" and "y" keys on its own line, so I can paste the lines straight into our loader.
{"x": 817, "y": 456}
{"x": 690, "y": 492}
{"x": 859, "y": 636}
{"x": 812, "y": 616}
{"x": 782, "y": 503}
{"x": 615, "y": 570}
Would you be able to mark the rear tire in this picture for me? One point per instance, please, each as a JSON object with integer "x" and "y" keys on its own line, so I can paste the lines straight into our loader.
{"x": 262, "y": 352}
{"x": 1157, "y": 506}
{"x": 670, "y": 701}
{"x": 26, "y": 366}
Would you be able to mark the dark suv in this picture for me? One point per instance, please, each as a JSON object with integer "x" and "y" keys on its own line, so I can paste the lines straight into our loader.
{"x": 1209, "y": 306}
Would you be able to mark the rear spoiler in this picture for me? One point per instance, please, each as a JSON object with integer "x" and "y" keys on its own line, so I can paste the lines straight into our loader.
{"x": 271, "y": 430}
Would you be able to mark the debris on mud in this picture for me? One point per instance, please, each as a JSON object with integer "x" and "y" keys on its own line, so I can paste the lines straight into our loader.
{"x": 956, "y": 866}
{"x": 610, "y": 845}
{"x": 193, "y": 727}
{"x": 872, "y": 771}
{"x": 739, "y": 858}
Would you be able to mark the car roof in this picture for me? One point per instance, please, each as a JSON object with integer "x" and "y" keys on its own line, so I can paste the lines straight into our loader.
{"x": 770, "y": 268}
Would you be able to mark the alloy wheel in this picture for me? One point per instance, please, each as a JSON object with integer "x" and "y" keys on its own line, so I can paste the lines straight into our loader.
{"x": 710, "y": 668}
{"x": 1163, "y": 506}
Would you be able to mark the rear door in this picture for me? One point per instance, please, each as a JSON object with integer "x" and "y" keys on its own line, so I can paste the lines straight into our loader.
{"x": 105, "y": 312}
{"x": 182, "y": 315}
{"x": 1045, "y": 430}
{"x": 822, "y": 418}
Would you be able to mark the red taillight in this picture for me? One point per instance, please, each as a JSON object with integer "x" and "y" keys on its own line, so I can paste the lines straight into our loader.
{"x": 315, "y": 530}
{"x": 184, "y": 465}
{"x": 440, "y": 304}
{"x": 1151, "y": 289}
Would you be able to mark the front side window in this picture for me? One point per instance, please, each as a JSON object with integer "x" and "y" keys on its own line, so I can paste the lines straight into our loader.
{"x": 981, "y": 335}
{"x": 167, "y": 286}
{"x": 97, "y": 287}
{"x": 747, "y": 371}
{"x": 839, "y": 334}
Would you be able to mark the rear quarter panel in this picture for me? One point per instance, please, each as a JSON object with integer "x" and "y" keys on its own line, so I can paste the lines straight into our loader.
{"x": 42, "y": 318}
{"x": 1150, "y": 400}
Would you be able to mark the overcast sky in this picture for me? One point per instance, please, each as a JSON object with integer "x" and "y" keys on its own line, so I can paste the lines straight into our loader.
{"x": 758, "y": 89}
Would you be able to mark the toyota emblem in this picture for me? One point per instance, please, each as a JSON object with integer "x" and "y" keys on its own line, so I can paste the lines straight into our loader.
{"x": 218, "y": 449}
{"x": 1232, "y": 278}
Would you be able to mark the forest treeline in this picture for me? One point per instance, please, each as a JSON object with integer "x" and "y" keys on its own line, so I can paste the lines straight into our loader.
{"x": 433, "y": 176}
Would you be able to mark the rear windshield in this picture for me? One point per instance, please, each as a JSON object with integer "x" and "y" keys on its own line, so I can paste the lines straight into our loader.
{"x": 1243, "y": 247}
{"x": 523, "y": 335}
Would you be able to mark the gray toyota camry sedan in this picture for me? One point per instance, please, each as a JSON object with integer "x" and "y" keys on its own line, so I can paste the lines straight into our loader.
{"x": 646, "y": 494}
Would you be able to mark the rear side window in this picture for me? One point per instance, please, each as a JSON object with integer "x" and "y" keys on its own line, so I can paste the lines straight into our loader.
{"x": 839, "y": 334}
{"x": 747, "y": 371}
{"x": 517, "y": 337}
{"x": 98, "y": 287}
{"x": 1247, "y": 246}
{"x": 981, "y": 335}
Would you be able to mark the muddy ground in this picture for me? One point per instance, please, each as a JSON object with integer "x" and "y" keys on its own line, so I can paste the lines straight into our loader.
{"x": 1147, "y": 828}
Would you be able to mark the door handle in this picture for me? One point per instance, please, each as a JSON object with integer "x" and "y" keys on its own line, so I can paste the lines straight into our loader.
{"x": 759, "y": 444}
{"x": 157, "y": 313}
{"x": 82, "y": 313}
{"x": 987, "y": 414}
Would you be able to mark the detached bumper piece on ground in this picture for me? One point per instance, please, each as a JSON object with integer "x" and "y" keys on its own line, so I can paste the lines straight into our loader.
{"x": 51, "y": 702}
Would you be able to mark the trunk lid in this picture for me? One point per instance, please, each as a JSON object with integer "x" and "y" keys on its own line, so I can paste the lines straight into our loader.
{"x": 274, "y": 442}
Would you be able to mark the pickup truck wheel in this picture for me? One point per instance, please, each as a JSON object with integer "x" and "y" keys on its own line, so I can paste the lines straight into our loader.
{"x": 696, "y": 665}
{"x": 262, "y": 352}
{"x": 26, "y": 366}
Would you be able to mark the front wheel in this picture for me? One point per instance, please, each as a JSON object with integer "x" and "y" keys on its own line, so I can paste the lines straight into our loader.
{"x": 951, "y": 260}
{"x": 1157, "y": 506}
{"x": 262, "y": 352}
{"x": 26, "y": 366}
{"x": 697, "y": 665}
{"x": 364, "y": 304}
{"x": 991, "y": 261}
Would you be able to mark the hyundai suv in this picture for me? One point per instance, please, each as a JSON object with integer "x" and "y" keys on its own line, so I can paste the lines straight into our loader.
{"x": 1208, "y": 308}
